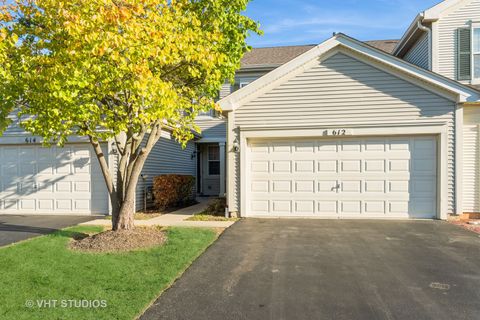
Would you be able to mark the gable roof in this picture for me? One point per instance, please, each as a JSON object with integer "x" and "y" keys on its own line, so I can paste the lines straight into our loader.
{"x": 440, "y": 83}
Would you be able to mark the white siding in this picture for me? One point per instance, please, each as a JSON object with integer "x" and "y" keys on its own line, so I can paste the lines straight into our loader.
{"x": 345, "y": 91}
{"x": 418, "y": 54}
{"x": 471, "y": 157}
{"x": 447, "y": 36}
{"x": 166, "y": 157}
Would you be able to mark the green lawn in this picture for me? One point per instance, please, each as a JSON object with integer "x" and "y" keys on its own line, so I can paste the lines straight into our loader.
{"x": 43, "y": 268}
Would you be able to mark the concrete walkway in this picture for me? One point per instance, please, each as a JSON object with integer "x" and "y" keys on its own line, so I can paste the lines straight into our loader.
{"x": 174, "y": 219}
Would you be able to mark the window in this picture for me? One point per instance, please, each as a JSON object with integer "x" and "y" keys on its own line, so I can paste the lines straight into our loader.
{"x": 213, "y": 160}
{"x": 241, "y": 82}
{"x": 476, "y": 53}
{"x": 209, "y": 113}
{"x": 468, "y": 53}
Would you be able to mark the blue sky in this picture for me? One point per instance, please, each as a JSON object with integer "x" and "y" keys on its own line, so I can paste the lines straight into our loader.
{"x": 292, "y": 22}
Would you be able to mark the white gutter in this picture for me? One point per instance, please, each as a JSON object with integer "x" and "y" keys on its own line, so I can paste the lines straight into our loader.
{"x": 429, "y": 35}
{"x": 407, "y": 35}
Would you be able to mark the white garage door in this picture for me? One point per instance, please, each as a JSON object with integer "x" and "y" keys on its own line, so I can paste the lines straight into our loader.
{"x": 374, "y": 177}
{"x": 51, "y": 180}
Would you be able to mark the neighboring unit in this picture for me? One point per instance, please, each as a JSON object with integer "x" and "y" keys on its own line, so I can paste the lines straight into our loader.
{"x": 68, "y": 180}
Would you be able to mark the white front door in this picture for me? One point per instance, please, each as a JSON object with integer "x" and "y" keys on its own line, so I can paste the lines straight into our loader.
{"x": 392, "y": 177}
{"x": 52, "y": 180}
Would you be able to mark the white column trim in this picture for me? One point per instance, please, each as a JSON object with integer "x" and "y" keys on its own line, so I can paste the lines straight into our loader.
{"x": 231, "y": 174}
{"x": 458, "y": 160}
{"x": 222, "y": 168}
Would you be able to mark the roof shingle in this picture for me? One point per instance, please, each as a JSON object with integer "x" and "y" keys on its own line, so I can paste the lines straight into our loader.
{"x": 384, "y": 45}
{"x": 273, "y": 56}
{"x": 277, "y": 56}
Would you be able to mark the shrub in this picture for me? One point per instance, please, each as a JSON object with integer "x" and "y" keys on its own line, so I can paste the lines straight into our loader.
{"x": 172, "y": 190}
{"x": 216, "y": 207}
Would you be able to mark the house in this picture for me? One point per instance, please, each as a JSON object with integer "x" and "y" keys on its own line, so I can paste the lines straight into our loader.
{"x": 376, "y": 129}
{"x": 348, "y": 130}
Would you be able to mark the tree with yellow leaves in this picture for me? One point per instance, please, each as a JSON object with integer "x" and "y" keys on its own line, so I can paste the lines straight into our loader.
{"x": 117, "y": 71}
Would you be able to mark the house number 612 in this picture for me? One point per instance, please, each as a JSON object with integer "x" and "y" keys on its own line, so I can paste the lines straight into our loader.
{"x": 339, "y": 132}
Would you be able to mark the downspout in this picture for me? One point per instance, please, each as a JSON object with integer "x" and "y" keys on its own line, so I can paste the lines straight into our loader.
{"x": 429, "y": 34}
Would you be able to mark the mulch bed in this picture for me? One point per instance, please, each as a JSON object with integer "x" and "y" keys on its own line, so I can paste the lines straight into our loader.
{"x": 120, "y": 241}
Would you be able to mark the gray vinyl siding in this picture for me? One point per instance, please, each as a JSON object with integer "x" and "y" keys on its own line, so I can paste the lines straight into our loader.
{"x": 166, "y": 157}
{"x": 345, "y": 91}
{"x": 212, "y": 127}
{"x": 14, "y": 128}
{"x": 447, "y": 36}
{"x": 418, "y": 54}
{"x": 225, "y": 90}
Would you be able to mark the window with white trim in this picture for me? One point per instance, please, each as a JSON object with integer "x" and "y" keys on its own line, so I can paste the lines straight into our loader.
{"x": 213, "y": 160}
{"x": 476, "y": 52}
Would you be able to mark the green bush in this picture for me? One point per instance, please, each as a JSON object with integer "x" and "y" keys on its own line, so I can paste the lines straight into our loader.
{"x": 172, "y": 190}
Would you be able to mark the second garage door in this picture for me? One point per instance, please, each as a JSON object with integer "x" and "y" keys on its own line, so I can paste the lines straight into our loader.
{"x": 370, "y": 177}
{"x": 36, "y": 180}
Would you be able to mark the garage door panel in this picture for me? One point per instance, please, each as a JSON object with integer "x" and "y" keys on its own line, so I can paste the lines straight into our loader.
{"x": 47, "y": 204}
{"x": 377, "y": 177}
{"x": 375, "y": 207}
{"x": 304, "y": 207}
{"x": 328, "y": 166}
{"x": 327, "y": 207}
{"x": 351, "y": 207}
{"x": 304, "y": 186}
{"x": 10, "y": 205}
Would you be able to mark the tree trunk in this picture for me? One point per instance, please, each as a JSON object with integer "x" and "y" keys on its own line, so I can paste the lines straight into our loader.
{"x": 123, "y": 198}
{"x": 125, "y": 219}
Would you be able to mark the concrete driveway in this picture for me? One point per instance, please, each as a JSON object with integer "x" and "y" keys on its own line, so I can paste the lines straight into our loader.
{"x": 331, "y": 269}
{"x": 14, "y": 228}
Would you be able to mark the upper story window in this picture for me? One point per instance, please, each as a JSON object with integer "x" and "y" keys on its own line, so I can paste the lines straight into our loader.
{"x": 468, "y": 53}
{"x": 476, "y": 52}
{"x": 209, "y": 113}
{"x": 239, "y": 85}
